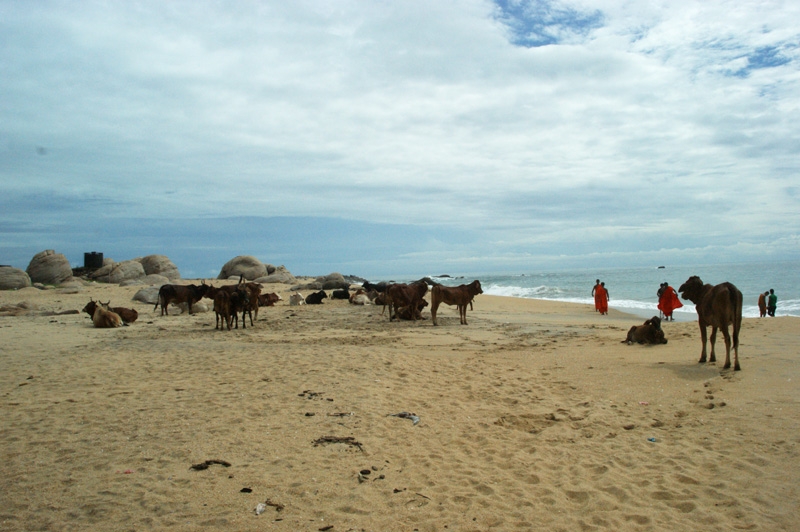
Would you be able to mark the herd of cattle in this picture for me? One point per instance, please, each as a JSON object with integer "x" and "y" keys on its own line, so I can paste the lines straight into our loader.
{"x": 405, "y": 301}
{"x": 717, "y": 306}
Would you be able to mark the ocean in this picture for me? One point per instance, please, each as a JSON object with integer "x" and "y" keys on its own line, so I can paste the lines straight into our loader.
{"x": 633, "y": 290}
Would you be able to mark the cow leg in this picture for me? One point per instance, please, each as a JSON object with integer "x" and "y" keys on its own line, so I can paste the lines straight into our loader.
{"x": 703, "y": 340}
{"x": 434, "y": 308}
{"x": 713, "y": 341}
{"x": 727, "y": 347}
{"x": 462, "y": 313}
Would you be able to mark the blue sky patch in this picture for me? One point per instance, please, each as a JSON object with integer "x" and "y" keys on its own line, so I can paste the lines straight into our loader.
{"x": 536, "y": 23}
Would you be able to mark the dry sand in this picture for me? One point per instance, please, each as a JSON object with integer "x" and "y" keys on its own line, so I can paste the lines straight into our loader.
{"x": 532, "y": 417}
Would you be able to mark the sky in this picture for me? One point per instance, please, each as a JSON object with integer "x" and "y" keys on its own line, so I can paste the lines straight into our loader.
{"x": 387, "y": 138}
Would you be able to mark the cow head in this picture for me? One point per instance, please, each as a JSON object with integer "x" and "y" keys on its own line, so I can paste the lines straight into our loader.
{"x": 692, "y": 289}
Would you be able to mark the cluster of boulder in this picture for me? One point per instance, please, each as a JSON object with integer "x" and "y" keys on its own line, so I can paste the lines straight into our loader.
{"x": 49, "y": 268}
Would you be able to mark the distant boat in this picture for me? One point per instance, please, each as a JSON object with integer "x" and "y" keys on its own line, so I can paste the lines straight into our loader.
{"x": 661, "y": 267}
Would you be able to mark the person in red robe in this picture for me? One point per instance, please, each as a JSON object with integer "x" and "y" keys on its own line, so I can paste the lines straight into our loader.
{"x": 668, "y": 302}
{"x": 601, "y": 298}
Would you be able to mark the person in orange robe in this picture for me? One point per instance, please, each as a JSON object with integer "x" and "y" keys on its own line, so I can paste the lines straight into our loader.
{"x": 601, "y": 298}
{"x": 762, "y": 304}
{"x": 668, "y": 302}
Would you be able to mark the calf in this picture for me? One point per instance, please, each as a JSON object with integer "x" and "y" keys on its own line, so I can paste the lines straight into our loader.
{"x": 402, "y": 295}
{"x": 316, "y": 298}
{"x": 176, "y": 293}
{"x": 128, "y": 315}
{"x": 648, "y": 333}
{"x": 461, "y": 296}
{"x": 297, "y": 299}
{"x": 105, "y": 319}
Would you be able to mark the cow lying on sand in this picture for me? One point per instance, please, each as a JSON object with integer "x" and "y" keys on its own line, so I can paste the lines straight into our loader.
{"x": 104, "y": 318}
{"x": 316, "y": 298}
{"x": 648, "y": 333}
{"x": 128, "y": 315}
{"x": 460, "y": 296}
{"x": 717, "y": 306}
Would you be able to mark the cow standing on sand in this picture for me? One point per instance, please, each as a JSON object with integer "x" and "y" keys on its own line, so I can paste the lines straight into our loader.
{"x": 176, "y": 293}
{"x": 403, "y": 295}
{"x": 717, "y": 306}
{"x": 461, "y": 296}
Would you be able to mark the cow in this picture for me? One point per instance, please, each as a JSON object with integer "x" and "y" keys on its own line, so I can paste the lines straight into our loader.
{"x": 239, "y": 300}
{"x": 176, "y": 293}
{"x": 403, "y": 295}
{"x": 297, "y": 299}
{"x": 253, "y": 294}
{"x": 461, "y": 296}
{"x": 359, "y": 298}
{"x": 648, "y": 333}
{"x": 340, "y": 294}
{"x": 405, "y": 313}
{"x": 378, "y": 287}
{"x": 128, "y": 315}
{"x": 717, "y": 306}
{"x": 222, "y": 309}
{"x": 104, "y": 318}
{"x": 316, "y": 298}
{"x": 269, "y": 300}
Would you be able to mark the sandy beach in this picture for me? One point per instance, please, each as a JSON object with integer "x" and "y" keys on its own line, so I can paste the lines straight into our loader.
{"x": 532, "y": 417}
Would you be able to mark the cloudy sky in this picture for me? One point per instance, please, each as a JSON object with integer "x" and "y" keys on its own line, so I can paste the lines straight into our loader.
{"x": 385, "y": 138}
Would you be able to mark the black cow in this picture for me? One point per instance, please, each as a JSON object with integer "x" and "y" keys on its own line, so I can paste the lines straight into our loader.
{"x": 316, "y": 298}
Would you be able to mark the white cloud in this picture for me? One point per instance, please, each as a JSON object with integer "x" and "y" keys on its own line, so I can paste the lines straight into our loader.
{"x": 635, "y": 122}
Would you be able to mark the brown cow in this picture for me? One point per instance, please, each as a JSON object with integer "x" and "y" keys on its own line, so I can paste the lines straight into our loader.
{"x": 648, "y": 333}
{"x": 177, "y": 293}
{"x": 404, "y": 313}
{"x": 104, "y": 318}
{"x": 717, "y": 306}
{"x": 461, "y": 296}
{"x": 402, "y": 295}
{"x": 222, "y": 309}
{"x": 268, "y": 300}
{"x": 128, "y": 315}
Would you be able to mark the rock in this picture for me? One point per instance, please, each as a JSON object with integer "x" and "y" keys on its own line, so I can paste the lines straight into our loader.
{"x": 246, "y": 265}
{"x": 147, "y": 295}
{"x": 126, "y": 270}
{"x": 13, "y": 278}
{"x": 333, "y": 281}
{"x": 197, "y": 307}
{"x": 155, "y": 280}
{"x": 161, "y": 265}
{"x": 49, "y": 267}
{"x": 278, "y": 275}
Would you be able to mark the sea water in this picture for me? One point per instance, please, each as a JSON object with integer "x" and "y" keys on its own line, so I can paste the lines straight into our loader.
{"x": 633, "y": 290}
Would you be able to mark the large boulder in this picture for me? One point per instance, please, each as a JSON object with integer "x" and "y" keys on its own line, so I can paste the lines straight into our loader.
{"x": 147, "y": 295}
{"x": 49, "y": 267}
{"x": 126, "y": 270}
{"x": 13, "y": 278}
{"x": 277, "y": 275}
{"x": 160, "y": 265}
{"x": 246, "y": 265}
{"x": 332, "y": 281}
